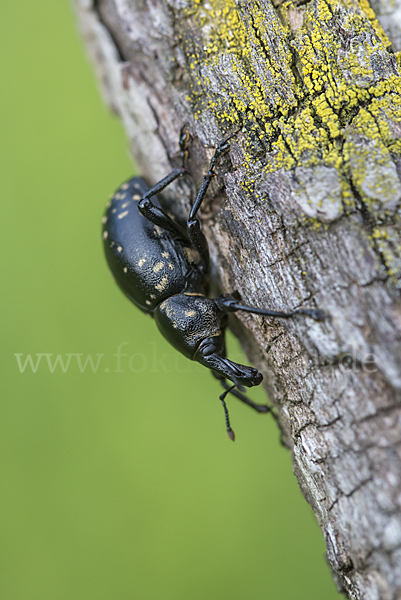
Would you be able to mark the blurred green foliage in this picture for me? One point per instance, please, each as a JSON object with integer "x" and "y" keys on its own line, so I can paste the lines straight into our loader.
{"x": 114, "y": 484}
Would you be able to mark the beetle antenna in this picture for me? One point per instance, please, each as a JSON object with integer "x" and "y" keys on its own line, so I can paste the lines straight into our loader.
{"x": 230, "y": 432}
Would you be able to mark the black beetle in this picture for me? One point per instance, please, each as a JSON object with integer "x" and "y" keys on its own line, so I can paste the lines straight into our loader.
{"x": 163, "y": 268}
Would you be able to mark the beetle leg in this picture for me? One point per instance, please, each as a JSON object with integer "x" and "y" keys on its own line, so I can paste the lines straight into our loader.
{"x": 199, "y": 241}
{"x": 183, "y": 143}
{"x": 229, "y": 304}
{"x": 156, "y": 214}
{"x": 230, "y": 389}
{"x": 195, "y": 234}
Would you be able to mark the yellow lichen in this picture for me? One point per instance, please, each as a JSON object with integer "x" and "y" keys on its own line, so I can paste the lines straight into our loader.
{"x": 301, "y": 96}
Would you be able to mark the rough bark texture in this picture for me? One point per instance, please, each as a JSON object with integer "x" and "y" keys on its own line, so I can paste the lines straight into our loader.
{"x": 306, "y": 211}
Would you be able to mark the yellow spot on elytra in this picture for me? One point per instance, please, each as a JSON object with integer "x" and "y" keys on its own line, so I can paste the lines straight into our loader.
{"x": 171, "y": 266}
{"x": 123, "y": 214}
{"x": 158, "y": 267}
{"x": 141, "y": 262}
{"x": 163, "y": 284}
{"x": 104, "y": 220}
{"x": 125, "y": 205}
{"x": 125, "y": 269}
{"x": 105, "y": 235}
{"x": 147, "y": 302}
{"x": 190, "y": 313}
{"x": 152, "y": 296}
{"x": 136, "y": 196}
{"x": 119, "y": 248}
{"x": 125, "y": 186}
{"x": 165, "y": 254}
{"x": 114, "y": 210}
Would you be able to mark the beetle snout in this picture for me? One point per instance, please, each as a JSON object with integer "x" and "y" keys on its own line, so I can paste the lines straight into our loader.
{"x": 250, "y": 376}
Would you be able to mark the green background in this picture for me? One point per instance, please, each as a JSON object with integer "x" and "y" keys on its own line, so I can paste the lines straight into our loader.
{"x": 114, "y": 484}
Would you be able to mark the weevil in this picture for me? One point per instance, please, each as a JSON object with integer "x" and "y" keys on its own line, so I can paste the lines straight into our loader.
{"x": 163, "y": 268}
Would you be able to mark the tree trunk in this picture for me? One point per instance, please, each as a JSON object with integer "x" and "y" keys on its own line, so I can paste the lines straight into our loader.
{"x": 307, "y": 213}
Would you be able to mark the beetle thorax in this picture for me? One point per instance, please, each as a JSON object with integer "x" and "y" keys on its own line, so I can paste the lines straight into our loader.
{"x": 185, "y": 320}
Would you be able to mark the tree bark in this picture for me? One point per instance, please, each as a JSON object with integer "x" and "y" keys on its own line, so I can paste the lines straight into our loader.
{"x": 305, "y": 212}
